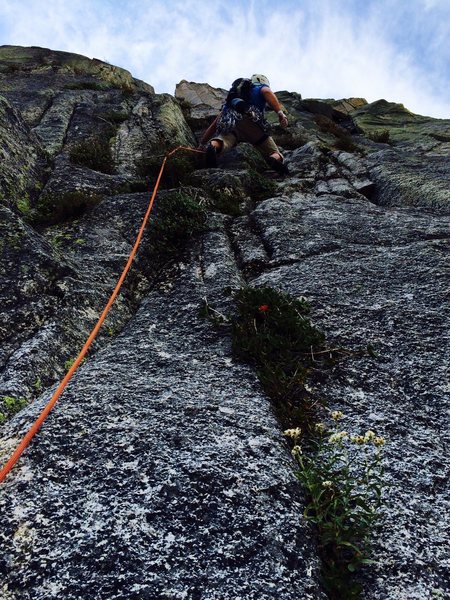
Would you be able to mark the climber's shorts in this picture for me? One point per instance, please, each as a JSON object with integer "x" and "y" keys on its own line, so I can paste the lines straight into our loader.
{"x": 250, "y": 132}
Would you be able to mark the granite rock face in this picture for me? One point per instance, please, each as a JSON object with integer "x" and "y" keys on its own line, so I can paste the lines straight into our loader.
{"x": 162, "y": 471}
{"x": 174, "y": 469}
{"x": 23, "y": 160}
{"x": 200, "y": 102}
{"x": 377, "y": 278}
{"x": 416, "y": 169}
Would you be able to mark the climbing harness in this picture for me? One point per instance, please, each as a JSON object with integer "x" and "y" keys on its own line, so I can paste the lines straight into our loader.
{"x": 79, "y": 359}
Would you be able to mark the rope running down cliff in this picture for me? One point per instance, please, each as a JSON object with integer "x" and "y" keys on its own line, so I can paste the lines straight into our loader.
{"x": 59, "y": 390}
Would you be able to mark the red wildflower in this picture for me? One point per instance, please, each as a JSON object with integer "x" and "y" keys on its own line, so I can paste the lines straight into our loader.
{"x": 263, "y": 308}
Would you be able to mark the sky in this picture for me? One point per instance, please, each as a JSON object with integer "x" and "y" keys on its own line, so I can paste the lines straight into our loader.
{"x": 398, "y": 50}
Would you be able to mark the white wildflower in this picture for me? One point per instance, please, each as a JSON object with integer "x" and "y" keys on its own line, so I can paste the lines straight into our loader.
{"x": 369, "y": 436}
{"x": 379, "y": 441}
{"x": 296, "y": 451}
{"x": 335, "y": 438}
{"x": 320, "y": 428}
{"x": 337, "y": 415}
{"x": 358, "y": 439}
{"x": 293, "y": 433}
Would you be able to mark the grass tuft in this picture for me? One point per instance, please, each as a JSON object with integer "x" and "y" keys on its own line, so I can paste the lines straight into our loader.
{"x": 9, "y": 406}
{"x": 179, "y": 217}
{"x": 272, "y": 333}
{"x": 94, "y": 153}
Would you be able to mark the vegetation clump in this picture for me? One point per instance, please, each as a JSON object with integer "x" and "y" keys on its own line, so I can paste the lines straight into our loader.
{"x": 272, "y": 332}
{"x": 344, "y": 140}
{"x": 342, "y": 474}
{"x": 381, "y": 137}
{"x": 95, "y": 153}
{"x": 134, "y": 186}
{"x": 227, "y": 201}
{"x": 237, "y": 196}
{"x": 24, "y": 207}
{"x": 178, "y": 218}
{"x": 177, "y": 170}
{"x": 9, "y": 406}
{"x": 54, "y": 208}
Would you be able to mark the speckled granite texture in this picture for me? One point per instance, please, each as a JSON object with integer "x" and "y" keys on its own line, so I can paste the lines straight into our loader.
{"x": 162, "y": 472}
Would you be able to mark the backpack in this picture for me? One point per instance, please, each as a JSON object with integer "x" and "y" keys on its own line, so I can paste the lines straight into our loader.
{"x": 239, "y": 92}
{"x": 237, "y": 106}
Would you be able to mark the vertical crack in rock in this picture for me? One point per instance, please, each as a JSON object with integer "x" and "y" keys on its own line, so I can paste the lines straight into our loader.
{"x": 384, "y": 286}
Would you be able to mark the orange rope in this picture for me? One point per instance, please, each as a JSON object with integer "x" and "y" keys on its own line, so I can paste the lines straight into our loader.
{"x": 37, "y": 424}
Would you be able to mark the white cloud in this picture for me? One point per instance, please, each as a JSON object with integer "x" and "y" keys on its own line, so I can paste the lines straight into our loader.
{"x": 430, "y": 4}
{"x": 309, "y": 47}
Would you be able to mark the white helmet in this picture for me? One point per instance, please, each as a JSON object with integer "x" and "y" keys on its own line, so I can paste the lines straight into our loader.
{"x": 260, "y": 79}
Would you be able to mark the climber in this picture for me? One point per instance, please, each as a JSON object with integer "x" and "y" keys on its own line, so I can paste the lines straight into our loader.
{"x": 241, "y": 119}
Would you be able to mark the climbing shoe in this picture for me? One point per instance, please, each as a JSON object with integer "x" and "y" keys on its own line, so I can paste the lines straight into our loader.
{"x": 278, "y": 166}
{"x": 211, "y": 157}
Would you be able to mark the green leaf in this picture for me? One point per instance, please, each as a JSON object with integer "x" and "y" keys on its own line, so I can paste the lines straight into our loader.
{"x": 350, "y": 545}
{"x": 368, "y": 561}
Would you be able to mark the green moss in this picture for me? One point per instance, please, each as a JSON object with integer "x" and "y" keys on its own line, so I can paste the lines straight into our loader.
{"x": 55, "y": 208}
{"x": 272, "y": 333}
{"x": 23, "y": 206}
{"x": 178, "y": 218}
{"x": 37, "y": 385}
{"x": 177, "y": 170}
{"x": 95, "y": 153}
{"x": 71, "y": 361}
{"x": 59, "y": 239}
{"x": 9, "y": 406}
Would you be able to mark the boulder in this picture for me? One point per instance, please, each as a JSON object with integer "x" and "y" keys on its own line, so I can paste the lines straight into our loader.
{"x": 200, "y": 95}
{"x": 200, "y": 103}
